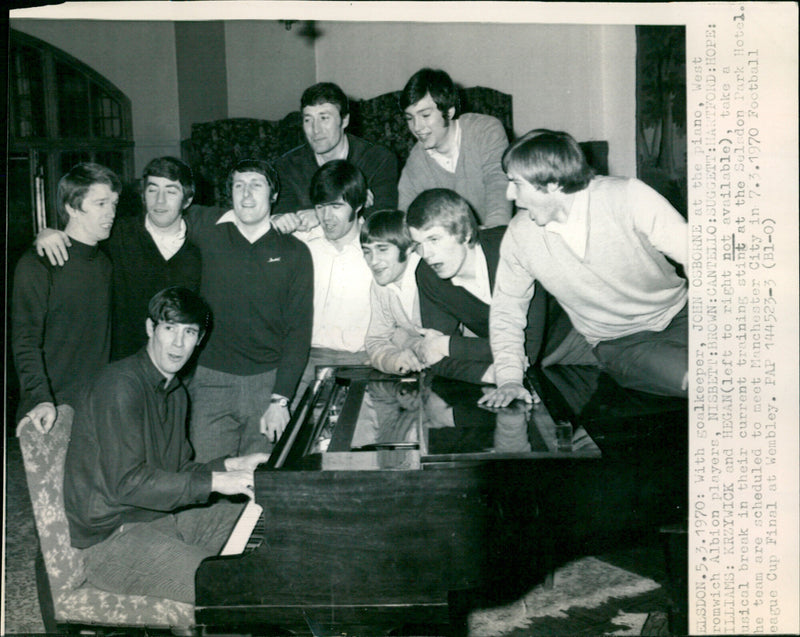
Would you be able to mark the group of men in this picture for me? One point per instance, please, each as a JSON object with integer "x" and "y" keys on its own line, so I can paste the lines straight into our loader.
{"x": 327, "y": 258}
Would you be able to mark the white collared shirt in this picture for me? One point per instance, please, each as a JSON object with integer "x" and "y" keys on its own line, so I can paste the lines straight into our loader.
{"x": 479, "y": 286}
{"x": 575, "y": 230}
{"x": 230, "y": 217}
{"x": 448, "y": 161}
{"x": 341, "y": 292}
{"x": 168, "y": 243}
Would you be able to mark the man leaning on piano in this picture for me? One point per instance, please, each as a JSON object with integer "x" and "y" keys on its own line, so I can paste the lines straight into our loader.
{"x": 137, "y": 505}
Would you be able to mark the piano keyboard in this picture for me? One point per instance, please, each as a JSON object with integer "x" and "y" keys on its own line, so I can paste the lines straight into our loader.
{"x": 244, "y": 535}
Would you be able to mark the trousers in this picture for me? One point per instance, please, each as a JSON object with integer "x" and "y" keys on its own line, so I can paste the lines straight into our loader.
{"x": 160, "y": 557}
{"x": 226, "y": 413}
{"x": 653, "y": 362}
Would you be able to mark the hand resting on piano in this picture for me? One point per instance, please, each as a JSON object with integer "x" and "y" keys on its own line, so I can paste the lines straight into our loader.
{"x": 238, "y": 475}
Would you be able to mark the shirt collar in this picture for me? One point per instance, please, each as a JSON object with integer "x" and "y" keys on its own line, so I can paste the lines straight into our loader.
{"x": 230, "y": 217}
{"x": 344, "y": 149}
{"x": 449, "y": 160}
{"x": 174, "y": 235}
{"x": 317, "y": 234}
{"x": 409, "y": 278}
{"x": 168, "y": 242}
{"x": 155, "y": 378}
{"x": 575, "y": 230}
{"x": 480, "y": 286}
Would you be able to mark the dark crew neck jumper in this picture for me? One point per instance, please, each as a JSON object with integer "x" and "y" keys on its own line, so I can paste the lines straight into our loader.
{"x": 261, "y": 295}
{"x": 140, "y": 271}
{"x": 297, "y": 167}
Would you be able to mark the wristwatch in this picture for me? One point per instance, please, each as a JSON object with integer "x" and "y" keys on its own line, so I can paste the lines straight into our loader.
{"x": 277, "y": 399}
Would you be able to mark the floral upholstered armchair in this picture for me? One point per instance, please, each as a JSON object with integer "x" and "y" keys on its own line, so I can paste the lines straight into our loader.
{"x": 66, "y": 599}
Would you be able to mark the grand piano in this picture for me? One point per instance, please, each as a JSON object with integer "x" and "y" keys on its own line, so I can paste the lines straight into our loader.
{"x": 393, "y": 502}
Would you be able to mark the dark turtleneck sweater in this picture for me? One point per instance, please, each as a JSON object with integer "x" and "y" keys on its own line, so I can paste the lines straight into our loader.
{"x": 60, "y": 326}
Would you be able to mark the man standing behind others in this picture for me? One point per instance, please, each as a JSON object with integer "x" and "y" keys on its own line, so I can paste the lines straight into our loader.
{"x": 326, "y": 114}
{"x": 338, "y": 191}
{"x": 598, "y": 245}
{"x": 259, "y": 284}
{"x": 60, "y": 316}
{"x": 153, "y": 255}
{"x": 131, "y": 493}
{"x": 454, "y": 151}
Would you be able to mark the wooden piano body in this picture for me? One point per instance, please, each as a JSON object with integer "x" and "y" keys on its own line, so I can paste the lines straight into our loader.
{"x": 391, "y": 501}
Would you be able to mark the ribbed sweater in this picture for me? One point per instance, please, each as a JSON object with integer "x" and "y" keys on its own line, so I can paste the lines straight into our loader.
{"x": 60, "y": 324}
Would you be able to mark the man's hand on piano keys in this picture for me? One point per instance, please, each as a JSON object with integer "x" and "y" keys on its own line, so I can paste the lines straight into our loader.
{"x": 233, "y": 483}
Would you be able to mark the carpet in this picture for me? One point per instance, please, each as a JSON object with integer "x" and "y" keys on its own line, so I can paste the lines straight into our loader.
{"x": 20, "y": 604}
{"x": 587, "y": 583}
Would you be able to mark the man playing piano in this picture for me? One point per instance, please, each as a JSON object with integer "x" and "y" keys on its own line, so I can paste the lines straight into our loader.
{"x": 136, "y": 504}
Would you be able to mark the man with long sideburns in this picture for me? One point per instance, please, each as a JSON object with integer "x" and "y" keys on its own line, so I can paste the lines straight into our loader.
{"x": 460, "y": 152}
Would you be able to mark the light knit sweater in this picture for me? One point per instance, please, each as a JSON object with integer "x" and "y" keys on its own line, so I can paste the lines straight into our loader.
{"x": 623, "y": 285}
{"x": 391, "y": 330}
{"x": 478, "y": 177}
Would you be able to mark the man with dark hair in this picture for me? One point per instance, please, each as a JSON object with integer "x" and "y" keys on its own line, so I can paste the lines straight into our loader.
{"x": 326, "y": 114}
{"x": 135, "y": 502}
{"x": 259, "y": 284}
{"x": 598, "y": 244}
{"x": 457, "y": 280}
{"x": 338, "y": 191}
{"x": 395, "y": 325}
{"x": 454, "y": 151}
{"x": 60, "y": 316}
{"x": 258, "y": 346}
{"x": 149, "y": 253}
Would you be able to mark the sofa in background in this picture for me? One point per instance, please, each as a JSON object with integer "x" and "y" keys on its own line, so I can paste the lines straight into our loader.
{"x": 214, "y": 147}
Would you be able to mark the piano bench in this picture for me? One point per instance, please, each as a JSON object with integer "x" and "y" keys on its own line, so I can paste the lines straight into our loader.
{"x": 66, "y": 600}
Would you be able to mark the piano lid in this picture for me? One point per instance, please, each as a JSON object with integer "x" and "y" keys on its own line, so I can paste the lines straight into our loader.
{"x": 377, "y": 421}
{"x": 455, "y": 427}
